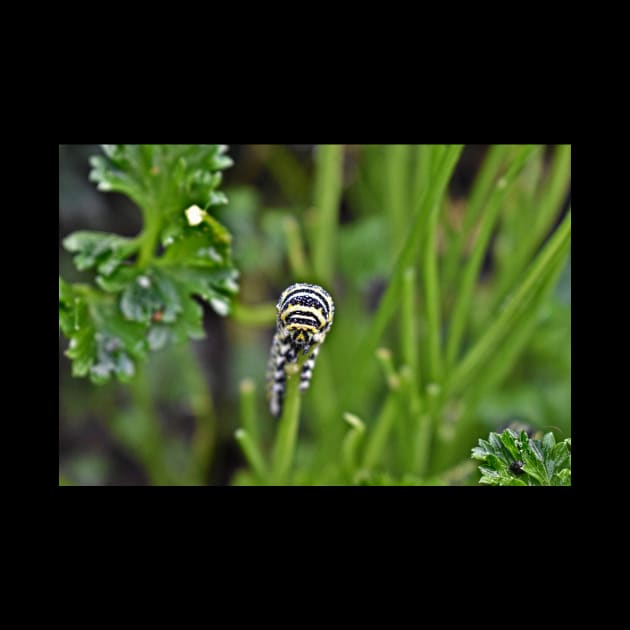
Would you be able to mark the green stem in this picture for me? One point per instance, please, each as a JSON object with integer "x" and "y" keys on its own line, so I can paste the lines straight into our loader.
{"x": 150, "y": 449}
{"x": 478, "y": 355}
{"x": 248, "y": 409}
{"x": 295, "y": 249}
{"x": 377, "y": 440}
{"x": 389, "y": 301}
{"x": 396, "y": 190}
{"x": 544, "y": 207}
{"x": 384, "y": 357}
{"x": 408, "y": 423}
{"x": 428, "y": 423}
{"x": 422, "y": 451}
{"x": 466, "y": 287}
{"x": 326, "y": 198}
{"x": 432, "y": 299}
{"x": 252, "y": 454}
{"x": 286, "y": 436}
{"x": 202, "y": 409}
{"x": 149, "y": 237}
{"x": 409, "y": 332}
{"x": 422, "y": 174}
{"x": 378, "y": 435}
{"x": 507, "y": 354}
{"x": 484, "y": 181}
{"x": 351, "y": 443}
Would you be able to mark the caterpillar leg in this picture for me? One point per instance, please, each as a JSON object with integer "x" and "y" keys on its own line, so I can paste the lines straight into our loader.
{"x": 307, "y": 369}
{"x": 280, "y": 354}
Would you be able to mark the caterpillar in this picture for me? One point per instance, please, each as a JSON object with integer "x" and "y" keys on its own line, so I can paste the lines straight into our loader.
{"x": 304, "y": 315}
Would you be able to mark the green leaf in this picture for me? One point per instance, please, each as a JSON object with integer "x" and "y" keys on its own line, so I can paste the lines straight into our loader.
{"x": 164, "y": 178}
{"x": 512, "y": 459}
{"x": 215, "y": 287}
{"x": 205, "y": 245}
{"x": 143, "y": 303}
{"x": 150, "y": 295}
{"x": 99, "y": 249}
{"x": 102, "y": 344}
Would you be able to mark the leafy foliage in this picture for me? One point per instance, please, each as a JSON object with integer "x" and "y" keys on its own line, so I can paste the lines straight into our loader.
{"x": 144, "y": 299}
{"x": 513, "y": 459}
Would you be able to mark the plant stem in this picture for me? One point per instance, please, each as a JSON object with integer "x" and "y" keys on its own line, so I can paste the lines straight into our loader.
{"x": 150, "y": 450}
{"x": 409, "y": 333}
{"x": 396, "y": 191}
{"x": 252, "y": 454}
{"x": 326, "y": 198}
{"x": 388, "y": 303}
{"x": 377, "y": 440}
{"x": 288, "y": 425}
{"x": 432, "y": 296}
{"x": 422, "y": 174}
{"x": 487, "y": 176}
{"x": 351, "y": 443}
{"x": 384, "y": 357}
{"x": 384, "y": 423}
{"x": 506, "y": 354}
{"x": 199, "y": 399}
{"x": 248, "y": 409}
{"x": 149, "y": 237}
{"x": 481, "y": 351}
{"x": 295, "y": 249}
{"x": 466, "y": 287}
{"x": 544, "y": 207}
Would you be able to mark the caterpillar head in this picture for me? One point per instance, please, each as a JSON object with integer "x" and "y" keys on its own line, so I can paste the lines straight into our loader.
{"x": 303, "y": 334}
{"x": 305, "y": 313}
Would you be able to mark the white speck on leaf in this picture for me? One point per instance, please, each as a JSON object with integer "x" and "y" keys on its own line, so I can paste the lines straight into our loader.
{"x": 195, "y": 215}
{"x": 219, "y": 306}
{"x": 144, "y": 282}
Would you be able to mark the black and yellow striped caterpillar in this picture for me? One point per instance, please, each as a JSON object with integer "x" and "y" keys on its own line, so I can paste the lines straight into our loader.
{"x": 304, "y": 315}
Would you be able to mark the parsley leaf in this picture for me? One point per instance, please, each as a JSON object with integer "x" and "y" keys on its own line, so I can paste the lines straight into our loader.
{"x": 512, "y": 459}
{"x": 146, "y": 287}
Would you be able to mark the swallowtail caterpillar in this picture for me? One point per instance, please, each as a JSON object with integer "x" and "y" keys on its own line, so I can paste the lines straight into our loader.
{"x": 304, "y": 315}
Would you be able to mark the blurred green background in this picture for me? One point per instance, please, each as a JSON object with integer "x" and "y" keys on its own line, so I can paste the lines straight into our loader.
{"x": 104, "y": 436}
